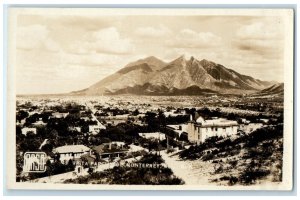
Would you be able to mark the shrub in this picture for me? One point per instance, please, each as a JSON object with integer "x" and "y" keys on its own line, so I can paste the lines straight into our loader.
{"x": 151, "y": 158}
{"x": 207, "y": 157}
{"x": 251, "y": 175}
{"x": 233, "y": 163}
{"x": 233, "y": 180}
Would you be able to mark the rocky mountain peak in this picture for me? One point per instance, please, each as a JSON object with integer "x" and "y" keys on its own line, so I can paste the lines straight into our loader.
{"x": 151, "y": 60}
{"x": 179, "y": 61}
{"x": 153, "y": 76}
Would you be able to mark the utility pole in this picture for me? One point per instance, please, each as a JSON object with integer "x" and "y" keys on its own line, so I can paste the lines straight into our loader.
{"x": 167, "y": 143}
{"x": 158, "y": 143}
{"x": 158, "y": 147}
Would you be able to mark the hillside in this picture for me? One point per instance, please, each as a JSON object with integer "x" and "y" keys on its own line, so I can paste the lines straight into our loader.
{"x": 244, "y": 160}
{"x": 274, "y": 89}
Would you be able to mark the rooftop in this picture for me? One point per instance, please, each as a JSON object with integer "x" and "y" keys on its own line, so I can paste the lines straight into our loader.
{"x": 104, "y": 148}
{"x": 215, "y": 122}
{"x": 71, "y": 149}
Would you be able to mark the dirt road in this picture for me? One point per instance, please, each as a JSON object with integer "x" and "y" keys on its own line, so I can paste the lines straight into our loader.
{"x": 191, "y": 172}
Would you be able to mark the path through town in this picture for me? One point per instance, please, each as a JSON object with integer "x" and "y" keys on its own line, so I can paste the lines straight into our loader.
{"x": 191, "y": 172}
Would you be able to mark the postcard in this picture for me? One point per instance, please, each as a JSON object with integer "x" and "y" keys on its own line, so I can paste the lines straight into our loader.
{"x": 150, "y": 99}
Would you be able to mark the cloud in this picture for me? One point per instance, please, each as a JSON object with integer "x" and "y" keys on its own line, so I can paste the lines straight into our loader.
{"x": 262, "y": 38}
{"x": 30, "y": 37}
{"x": 266, "y": 48}
{"x": 35, "y": 37}
{"x": 252, "y": 64}
{"x": 104, "y": 41}
{"x": 152, "y": 32}
{"x": 92, "y": 60}
{"x": 109, "y": 40}
{"x": 188, "y": 38}
{"x": 259, "y": 31}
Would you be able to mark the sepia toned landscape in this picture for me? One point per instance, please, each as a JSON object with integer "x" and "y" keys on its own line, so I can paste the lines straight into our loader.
{"x": 189, "y": 99}
{"x": 90, "y": 136}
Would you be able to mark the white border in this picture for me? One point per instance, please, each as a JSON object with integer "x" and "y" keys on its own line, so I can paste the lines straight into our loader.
{"x": 288, "y": 98}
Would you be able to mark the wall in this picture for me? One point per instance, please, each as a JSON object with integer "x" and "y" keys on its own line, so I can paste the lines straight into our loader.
{"x": 200, "y": 134}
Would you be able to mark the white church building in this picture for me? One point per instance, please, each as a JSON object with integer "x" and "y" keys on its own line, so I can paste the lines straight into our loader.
{"x": 200, "y": 130}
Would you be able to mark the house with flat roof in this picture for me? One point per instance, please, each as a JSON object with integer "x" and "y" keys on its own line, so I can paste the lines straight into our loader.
{"x": 26, "y": 130}
{"x": 178, "y": 128}
{"x": 199, "y": 130}
{"x": 94, "y": 129}
{"x": 85, "y": 160}
{"x": 154, "y": 135}
{"x": 59, "y": 115}
{"x": 71, "y": 152}
{"x": 111, "y": 150}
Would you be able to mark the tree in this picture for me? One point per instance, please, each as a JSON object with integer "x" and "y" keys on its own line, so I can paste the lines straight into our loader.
{"x": 45, "y": 118}
{"x": 183, "y": 136}
{"x": 205, "y": 113}
{"x": 22, "y": 115}
{"x": 162, "y": 119}
{"x": 57, "y": 157}
{"x": 105, "y": 140}
{"x": 152, "y": 121}
{"x": 70, "y": 165}
{"x": 32, "y": 119}
{"x": 18, "y": 130}
{"x": 85, "y": 128}
{"x": 136, "y": 112}
{"x": 47, "y": 148}
{"x": 30, "y": 135}
{"x": 90, "y": 170}
{"x": 73, "y": 119}
{"x": 97, "y": 158}
{"x": 53, "y": 134}
{"x": 19, "y": 163}
{"x": 49, "y": 168}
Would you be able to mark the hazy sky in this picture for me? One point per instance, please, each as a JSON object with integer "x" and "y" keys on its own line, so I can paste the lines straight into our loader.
{"x": 65, "y": 53}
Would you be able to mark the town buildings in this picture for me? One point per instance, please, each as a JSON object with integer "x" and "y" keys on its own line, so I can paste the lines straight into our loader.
{"x": 155, "y": 136}
{"x": 111, "y": 150}
{"x": 71, "y": 152}
{"x": 26, "y": 130}
{"x": 59, "y": 115}
{"x": 199, "y": 130}
{"x": 95, "y": 129}
{"x": 179, "y": 129}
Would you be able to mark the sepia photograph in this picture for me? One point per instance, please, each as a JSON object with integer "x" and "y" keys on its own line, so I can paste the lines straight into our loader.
{"x": 150, "y": 99}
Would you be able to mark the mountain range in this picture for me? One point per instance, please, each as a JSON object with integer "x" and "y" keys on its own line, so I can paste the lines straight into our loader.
{"x": 276, "y": 89}
{"x": 152, "y": 76}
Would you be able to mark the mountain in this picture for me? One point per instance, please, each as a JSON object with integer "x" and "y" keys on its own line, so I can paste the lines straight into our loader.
{"x": 276, "y": 89}
{"x": 152, "y": 61}
{"x": 151, "y": 76}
